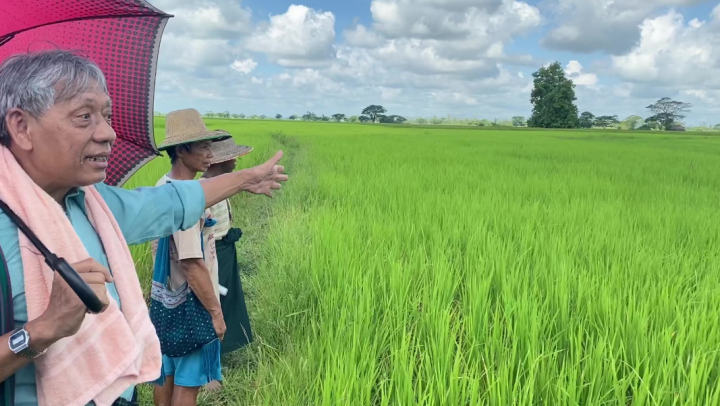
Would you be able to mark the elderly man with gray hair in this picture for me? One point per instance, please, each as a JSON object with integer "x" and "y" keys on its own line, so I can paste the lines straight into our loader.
{"x": 56, "y": 137}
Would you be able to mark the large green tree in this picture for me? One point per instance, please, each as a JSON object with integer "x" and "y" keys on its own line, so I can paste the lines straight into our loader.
{"x": 374, "y": 111}
{"x": 553, "y": 99}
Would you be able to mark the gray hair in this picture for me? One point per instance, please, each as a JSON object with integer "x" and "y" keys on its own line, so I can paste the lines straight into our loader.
{"x": 35, "y": 82}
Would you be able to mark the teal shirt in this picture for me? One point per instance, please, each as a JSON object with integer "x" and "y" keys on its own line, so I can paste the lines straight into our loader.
{"x": 143, "y": 214}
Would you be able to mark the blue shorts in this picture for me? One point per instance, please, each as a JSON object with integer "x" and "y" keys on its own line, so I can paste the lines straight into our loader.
{"x": 188, "y": 370}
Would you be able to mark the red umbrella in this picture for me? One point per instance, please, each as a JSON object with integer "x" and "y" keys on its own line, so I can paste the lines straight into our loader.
{"x": 122, "y": 37}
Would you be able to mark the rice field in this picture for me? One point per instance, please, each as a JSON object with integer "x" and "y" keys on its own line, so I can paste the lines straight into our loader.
{"x": 448, "y": 266}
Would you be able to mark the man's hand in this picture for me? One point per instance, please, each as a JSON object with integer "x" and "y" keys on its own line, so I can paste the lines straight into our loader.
{"x": 266, "y": 177}
{"x": 259, "y": 180}
{"x": 66, "y": 312}
{"x": 219, "y": 325}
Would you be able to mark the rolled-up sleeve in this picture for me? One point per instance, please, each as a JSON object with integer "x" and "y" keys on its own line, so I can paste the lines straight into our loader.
{"x": 150, "y": 213}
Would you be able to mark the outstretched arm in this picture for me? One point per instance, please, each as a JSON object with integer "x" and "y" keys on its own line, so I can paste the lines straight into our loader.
{"x": 150, "y": 213}
{"x": 261, "y": 180}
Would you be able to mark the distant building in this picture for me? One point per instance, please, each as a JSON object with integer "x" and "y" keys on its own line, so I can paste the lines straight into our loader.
{"x": 676, "y": 128}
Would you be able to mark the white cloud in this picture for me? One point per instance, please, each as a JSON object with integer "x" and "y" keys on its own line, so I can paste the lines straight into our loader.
{"x": 457, "y": 29}
{"x": 430, "y": 19}
{"x": 574, "y": 71}
{"x": 190, "y": 54}
{"x": 387, "y": 93}
{"x": 301, "y": 37}
{"x": 454, "y": 98}
{"x": 674, "y": 55}
{"x": 206, "y": 19}
{"x": 700, "y": 94}
{"x": 362, "y": 37}
{"x": 601, "y": 25}
{"x": 245, "y": 66}
{"x": 623, "y": 90}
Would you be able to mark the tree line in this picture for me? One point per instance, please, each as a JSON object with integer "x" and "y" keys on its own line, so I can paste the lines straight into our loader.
{"x": 370, "y": 114}
{"x": 553, "y": 100}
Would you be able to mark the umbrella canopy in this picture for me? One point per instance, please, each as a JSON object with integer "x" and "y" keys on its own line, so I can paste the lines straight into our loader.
{"x": 122, "y": 37}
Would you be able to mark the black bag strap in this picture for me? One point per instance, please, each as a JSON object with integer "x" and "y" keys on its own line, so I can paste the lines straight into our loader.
{"x": 59, "y": 265}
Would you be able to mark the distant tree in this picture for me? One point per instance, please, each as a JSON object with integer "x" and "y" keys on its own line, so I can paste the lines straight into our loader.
{"x": 667, "y": 111}
{"x": 254, "y": 117}
{"x": 210, "y": 114}
{"x": 422, "y": 120}
{"x": 631, "y": 123}
{"x": 364, "y": 119}
{"x": 158, "y": 114}
{"x": 263, "y": 117}
{"x": 518, "y": 121}
{"x": 242, "y": 115}
{"x": 393, "y": 119}
{"x": 293, "y": 117}
{"x": 716, "y": 127}
{"x": 437, "y": 120}
{"x": 353, "y": 119}
{"x": 373, "y": 111}
{"x": 338, "y": 117}
{"x": 587, "y": 119}
{"x": 235, "y": 116}
{"x": 278, "y": 116}
{"x": 652, "y": 123}
{"x": 606, "y": 121}
{"x": 309, "y": 116}
{"x": 224, "y": 114}
{"x": 324, "y": 118}
{"x": 553, "y": 99}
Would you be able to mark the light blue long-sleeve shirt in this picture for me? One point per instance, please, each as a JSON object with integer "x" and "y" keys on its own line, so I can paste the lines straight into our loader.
{"x": 143, "y": 214}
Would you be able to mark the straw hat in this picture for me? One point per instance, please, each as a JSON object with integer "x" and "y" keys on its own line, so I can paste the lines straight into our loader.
{"x": 227, "y": 150}
{"x": 186, "y": 126}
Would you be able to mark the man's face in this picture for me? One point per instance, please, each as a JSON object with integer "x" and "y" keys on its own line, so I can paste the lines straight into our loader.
{"x": 228, "y": 166}
{"x": 198, "y": 158}
{"x": 69, "y": 146}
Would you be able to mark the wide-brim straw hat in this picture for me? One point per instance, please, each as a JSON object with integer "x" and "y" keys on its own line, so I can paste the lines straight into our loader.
{"x": 227, "y": 150}
{"x": 186, "y": 126}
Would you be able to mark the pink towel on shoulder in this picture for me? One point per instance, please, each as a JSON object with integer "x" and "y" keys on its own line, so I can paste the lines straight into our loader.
{"x": 113, "y": 350}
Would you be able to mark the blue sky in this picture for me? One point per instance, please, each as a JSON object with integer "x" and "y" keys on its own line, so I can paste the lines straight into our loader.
{"x": 466, "y": 58}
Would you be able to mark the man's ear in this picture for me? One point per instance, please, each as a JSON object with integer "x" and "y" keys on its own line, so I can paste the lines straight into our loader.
{"x": 18, "y": 125}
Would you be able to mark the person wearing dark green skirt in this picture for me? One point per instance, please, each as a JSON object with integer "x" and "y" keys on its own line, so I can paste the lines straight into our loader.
{"x": 232, "y": 299}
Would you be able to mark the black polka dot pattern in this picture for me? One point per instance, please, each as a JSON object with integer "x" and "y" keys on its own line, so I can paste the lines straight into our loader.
{"x": 122, "y": 37}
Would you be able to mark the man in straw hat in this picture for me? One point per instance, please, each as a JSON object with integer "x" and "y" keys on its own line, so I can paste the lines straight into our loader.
{"x": 238, "y": 334}
{"x": 193, "y": 270}
{"x": 55, "y": 139}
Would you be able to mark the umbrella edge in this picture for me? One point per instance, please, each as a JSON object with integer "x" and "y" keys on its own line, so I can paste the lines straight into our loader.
{"x": 151, "y": 105}
{"x": 5, "y": 38}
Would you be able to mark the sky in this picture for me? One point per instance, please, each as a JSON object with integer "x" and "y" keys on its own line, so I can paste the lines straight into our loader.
{"x": 464, "y": 58}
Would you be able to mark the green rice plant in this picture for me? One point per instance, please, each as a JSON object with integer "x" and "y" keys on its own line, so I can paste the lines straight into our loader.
{"x": 453, "y": 266}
